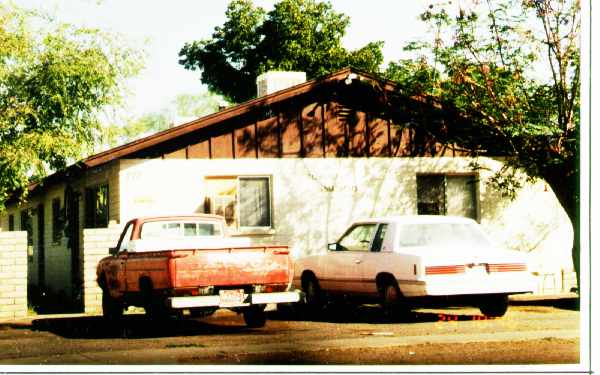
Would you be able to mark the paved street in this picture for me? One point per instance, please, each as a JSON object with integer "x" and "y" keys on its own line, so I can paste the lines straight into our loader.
{"x": 531, "y": 333}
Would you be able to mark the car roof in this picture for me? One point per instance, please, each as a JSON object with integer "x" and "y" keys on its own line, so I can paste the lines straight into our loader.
{"x": 417, "y": 219}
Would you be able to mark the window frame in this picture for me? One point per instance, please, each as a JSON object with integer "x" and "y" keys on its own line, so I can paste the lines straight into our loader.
{"x": 237, "y": 228}
{"x": 239, "y": 205}
{"x": 94, "y": 223}
{"x": 445, "y": 176}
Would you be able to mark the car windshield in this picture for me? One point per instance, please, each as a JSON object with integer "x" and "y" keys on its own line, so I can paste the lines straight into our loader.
{"x": 441, "y": 234}
{"x": 179, "y": 229}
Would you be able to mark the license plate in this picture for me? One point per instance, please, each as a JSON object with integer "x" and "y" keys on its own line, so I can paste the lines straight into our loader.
{"x": 231, "y": 297}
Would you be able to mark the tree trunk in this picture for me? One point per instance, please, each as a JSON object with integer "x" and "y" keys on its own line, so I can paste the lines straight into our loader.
{"x": 566, "y": 189}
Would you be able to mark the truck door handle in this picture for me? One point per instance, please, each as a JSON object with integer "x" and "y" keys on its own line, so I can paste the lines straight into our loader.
{"x": 357, "y": 261}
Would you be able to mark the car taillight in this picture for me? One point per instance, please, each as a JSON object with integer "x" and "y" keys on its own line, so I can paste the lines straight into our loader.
{"x": 506, "y": 267}
{"x": 443, "y": 270}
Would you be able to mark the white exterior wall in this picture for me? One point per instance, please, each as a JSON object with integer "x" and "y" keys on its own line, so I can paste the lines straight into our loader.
{"x": 315, "y": 199}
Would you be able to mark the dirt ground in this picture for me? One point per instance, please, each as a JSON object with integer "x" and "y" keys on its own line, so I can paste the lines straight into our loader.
{"x": 530, "y": 333}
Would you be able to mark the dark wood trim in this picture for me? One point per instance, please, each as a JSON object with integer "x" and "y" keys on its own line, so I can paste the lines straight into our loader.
{"x": 256, "y": 138}
{"x": 210, "y": 154}
{"x": 279, "y": 136}
{"x": 300, "y": 122}
{"x": 232, "y": 143}
{"x": 389, "y": 138}
{"x": 367, "y": 135}
{"x": 323, "y": 133}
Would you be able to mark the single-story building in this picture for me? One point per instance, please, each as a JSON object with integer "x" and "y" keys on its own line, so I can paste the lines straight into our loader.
{"x": 294, "y": 166}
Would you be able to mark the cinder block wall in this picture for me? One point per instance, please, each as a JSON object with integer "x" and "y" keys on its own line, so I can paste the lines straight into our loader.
{"x": 96, "y": 243}
{"x": 13, "y": 275}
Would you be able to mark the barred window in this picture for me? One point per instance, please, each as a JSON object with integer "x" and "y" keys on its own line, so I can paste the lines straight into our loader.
{"x": 439, "y": 194}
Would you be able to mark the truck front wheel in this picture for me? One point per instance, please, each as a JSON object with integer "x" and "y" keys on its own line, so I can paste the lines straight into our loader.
{"x": 255, "y": 316}
{"x": 112, "y": 308}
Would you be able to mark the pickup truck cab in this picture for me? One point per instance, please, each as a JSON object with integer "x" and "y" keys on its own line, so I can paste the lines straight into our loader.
{"x": 405, "y": 261}
{"x": 174, "y": 263}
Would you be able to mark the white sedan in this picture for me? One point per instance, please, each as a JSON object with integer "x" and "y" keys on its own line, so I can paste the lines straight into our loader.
{"x": 403, "y": 261}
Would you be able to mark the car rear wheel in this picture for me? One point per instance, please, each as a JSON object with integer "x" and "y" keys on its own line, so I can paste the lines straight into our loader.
{"x": 255, "y": 316}
{"x": 494, "y": 306}
{"x": 112, "y": 308}
{"x": 393, "y": 303}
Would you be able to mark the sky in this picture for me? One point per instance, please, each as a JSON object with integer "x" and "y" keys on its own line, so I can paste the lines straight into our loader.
{"x": 163, "y": 27}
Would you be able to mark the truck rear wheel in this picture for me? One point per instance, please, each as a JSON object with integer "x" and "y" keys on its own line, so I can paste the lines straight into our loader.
{"x": 494, "y": 306}
{"x": 112, "y": 309}
{"x": 255, "y": 316}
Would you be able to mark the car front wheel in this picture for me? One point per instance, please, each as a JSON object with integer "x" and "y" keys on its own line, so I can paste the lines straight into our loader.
{"x": 313, "y": 294}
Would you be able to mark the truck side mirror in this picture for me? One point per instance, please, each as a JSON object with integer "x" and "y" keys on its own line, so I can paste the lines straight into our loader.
{"x": 113, "y": 250}
{"x": 333, "y": 247}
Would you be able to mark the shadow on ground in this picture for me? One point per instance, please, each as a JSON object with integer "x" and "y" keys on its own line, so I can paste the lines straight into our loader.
{"x": 558, "y": 303}
{"x": 369, "y": 314}
{"x": 135, "y": 327}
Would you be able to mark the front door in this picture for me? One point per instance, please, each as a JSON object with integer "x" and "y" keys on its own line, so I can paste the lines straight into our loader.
{"x": 343, "y": 271}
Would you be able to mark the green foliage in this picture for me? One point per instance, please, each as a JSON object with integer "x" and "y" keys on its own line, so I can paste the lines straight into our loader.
{"x": 52, "y": 85}
{"x": 300, "y": 35}
{"x": 485, "y": 61}
{"x": 183, "y": 108}
{"x": 511, "y": 67}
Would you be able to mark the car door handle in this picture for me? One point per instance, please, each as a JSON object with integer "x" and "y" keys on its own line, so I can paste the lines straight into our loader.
{"x": 357, "y": 261}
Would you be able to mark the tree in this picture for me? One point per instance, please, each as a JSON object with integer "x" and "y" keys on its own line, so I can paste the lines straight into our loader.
{"x": 488, "y": 69}
{"x": 183, "y": 108}
{"x": 53, "y": 84}
{"x": 300, "y": 35}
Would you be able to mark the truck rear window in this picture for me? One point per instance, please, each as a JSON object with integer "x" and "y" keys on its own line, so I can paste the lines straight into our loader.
{"x": 179, "y": 229}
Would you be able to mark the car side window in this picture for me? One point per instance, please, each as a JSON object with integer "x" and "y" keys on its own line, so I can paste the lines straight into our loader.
{"x": 358, "y": 237}
{"x": 124, "y": 240}
{"x": 379, "y": 237}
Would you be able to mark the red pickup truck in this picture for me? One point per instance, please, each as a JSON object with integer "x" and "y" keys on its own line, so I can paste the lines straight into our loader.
{"x": 175, "y": 263}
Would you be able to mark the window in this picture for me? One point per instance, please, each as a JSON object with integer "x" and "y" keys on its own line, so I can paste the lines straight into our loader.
{"x": 26, "y": 225}
{"x": 125, "y": 238}
{"x": 58, "y": 221}
{"x": 379, "y": 237}
{"x": 96, "y": 207}
{"x": 11, "y": 222}
{"x": 177, "y": 229}
{"x": 254, "y": 202}
{"x": 439, "y": 194}
{"x": 244, "y": 202}
{"x": 358, "y": 237}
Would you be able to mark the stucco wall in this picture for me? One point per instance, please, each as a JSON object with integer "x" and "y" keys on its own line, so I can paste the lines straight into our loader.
{"x": 315, "y": 199}
{"x": 13, "y": 275}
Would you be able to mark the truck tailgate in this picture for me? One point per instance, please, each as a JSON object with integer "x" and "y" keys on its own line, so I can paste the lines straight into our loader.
{"x": 230, "y": 266}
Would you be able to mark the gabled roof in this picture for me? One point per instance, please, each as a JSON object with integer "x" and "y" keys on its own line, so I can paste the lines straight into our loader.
{"x": 219, "y": 117}
{"x": 212, "y": 120}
